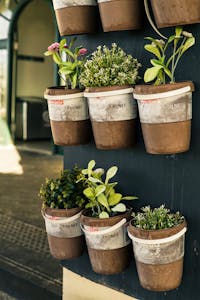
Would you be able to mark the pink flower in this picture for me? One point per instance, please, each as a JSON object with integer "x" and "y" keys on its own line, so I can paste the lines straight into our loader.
{"x": 54, "y": 47}
{"x": 82, "y": 51}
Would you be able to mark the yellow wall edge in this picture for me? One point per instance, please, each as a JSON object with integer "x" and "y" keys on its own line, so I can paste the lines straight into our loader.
{"x": 76, "y": 287}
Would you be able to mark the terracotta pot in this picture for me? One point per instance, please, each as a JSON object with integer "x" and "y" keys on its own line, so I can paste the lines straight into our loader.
{"x": 76, "y": 17}
{"x": 165, "y": 115}
{"x": 159, "y": 263}
{"x": 113, "y": 114}
{"x": 176, "y": 12}
{"x": 110, "y": 253}
{"x": 121, "y": 14}
{"x": 64, "y": 247}
{"x": 69, "y": 118}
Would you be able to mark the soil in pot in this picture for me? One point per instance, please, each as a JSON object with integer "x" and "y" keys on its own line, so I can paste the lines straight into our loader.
{"x": 165, "y": 117}
{"x": 176, "y": 12}
{"x": 113, "y": 114}
{"x": 69, "y": 118}
{"x": 110, "y": 253}
{"x": 73, "y": 18}
{"x": 64, "y": 242}
{"x": 121, "y": 14}
{"x": 159, "y": 263}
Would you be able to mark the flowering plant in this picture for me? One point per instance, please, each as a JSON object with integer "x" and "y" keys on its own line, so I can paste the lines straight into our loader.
{"x": 69, "y": 60}
{"x": 109, "y": 67}
{"x": 165, "y": 64}
{"x": 156, "y": 218}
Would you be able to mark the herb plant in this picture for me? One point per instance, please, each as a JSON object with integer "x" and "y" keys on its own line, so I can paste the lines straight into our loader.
{"x": 103, "y": 200}
{"x": 69, "y": 60}
{"x": 168, "y": 55}
{"x": 109, "y": 67}
{"x": 157, "y": 218}
{"x": 63, "y": 192}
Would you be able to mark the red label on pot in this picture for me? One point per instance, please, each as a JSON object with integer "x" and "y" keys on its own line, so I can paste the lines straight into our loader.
{"x": 57, "y": 102}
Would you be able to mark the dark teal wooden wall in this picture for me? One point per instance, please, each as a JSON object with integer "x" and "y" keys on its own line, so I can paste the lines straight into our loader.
{"x": 170, "y": 179}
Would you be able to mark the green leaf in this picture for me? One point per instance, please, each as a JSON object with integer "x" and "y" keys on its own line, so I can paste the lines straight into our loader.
{"x": 153, "y": 49}
{"x": 57, "y": 58}
{"x": 99, "y": 190}
{"x": 89, "y": 193}
{"x": 129, "y": 198}
{"x": 94, "y": 180}
{"x": 151, "y": 73}
{"x": 178, "y": 30}
{"x": 119, "y": 208}
{"x": 114, "y": 199}
{"x": 65, "y": 70}
{"x": 74, "y": 80}
{"x": 68, "y": 52}
{"x": 103, "y": 201}
{"x": 111, "y": 173}
{"x": 69, "y": 65}
{"x": 72, "y": 42}
{"x": 91, "y": 164}
{"x": 168, "y": 72}
{"x": 62, "y": 43}
{"x": 156, "y": 62}
{"x": 84, "y": 171}
{"x": 189, "y": 43}
{"x": 103, "y": 215}
{"x": 47, "y": 53}
{"x": 171, "y": 38}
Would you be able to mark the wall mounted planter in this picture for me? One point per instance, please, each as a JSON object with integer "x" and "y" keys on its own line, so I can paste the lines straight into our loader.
{"x": 159, "y": 256}
{"x": 113, "y": 113}
{"x": 175, "y": 12}
{"x": 108, "y": 245}
{"x": 65, "y": 237}
{"x": 121, "y": 14}
{"x": 69, "y": 118}
{"x": 165, "y": 115}
{"x": 76, "y": 16}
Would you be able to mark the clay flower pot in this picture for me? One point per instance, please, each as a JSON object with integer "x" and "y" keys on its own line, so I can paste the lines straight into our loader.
{"x": 107, "y": 241}
{"x": 69, "y": 118}
{"x": 113, "y": 113}
{"x": 65, "y": 237}
{"x": 121, "y": 14}
{"x": 159, "y": 256}
{"x": 76, "y": 16}
{"x": 175, "y": 12}
{"x": 165, "y": 115}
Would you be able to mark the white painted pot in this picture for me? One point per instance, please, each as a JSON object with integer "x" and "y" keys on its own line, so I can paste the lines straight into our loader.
{"x": 107, "y": 238}
{"x": 71, "y": 107}
{"x": 165, "y": 117}
{"x": 113, "y": 114}
{"x": 76, "y": 16}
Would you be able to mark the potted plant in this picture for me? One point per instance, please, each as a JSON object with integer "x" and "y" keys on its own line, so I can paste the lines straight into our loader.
{"x": 75, "y": 16}
{"x": 68, "y": 110}
{"x": 108, "y": 77}
{"x": 63, "y": 200}
{"x": 175, "y": 12}
{"x": 121, "y": 14}
{"x": 104, "y": 221}
{"x": 158, "y": 245}
{"x": 165, "y": 109}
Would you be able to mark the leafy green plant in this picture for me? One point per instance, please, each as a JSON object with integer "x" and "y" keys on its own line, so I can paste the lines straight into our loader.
{"x": 157, "y": 218}
{"x": 109, "y": 67}
{"x": 69, "y": 60}
{"x": 167, "y": 59}
{"x": 64, "y": 191}
{"x": 103, "y": 200}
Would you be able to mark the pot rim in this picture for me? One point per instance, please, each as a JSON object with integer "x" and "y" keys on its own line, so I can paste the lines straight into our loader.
{"x": 95, "y": 221}
{"x": 154, "y": 234}
{"x": 162, "y": 88}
